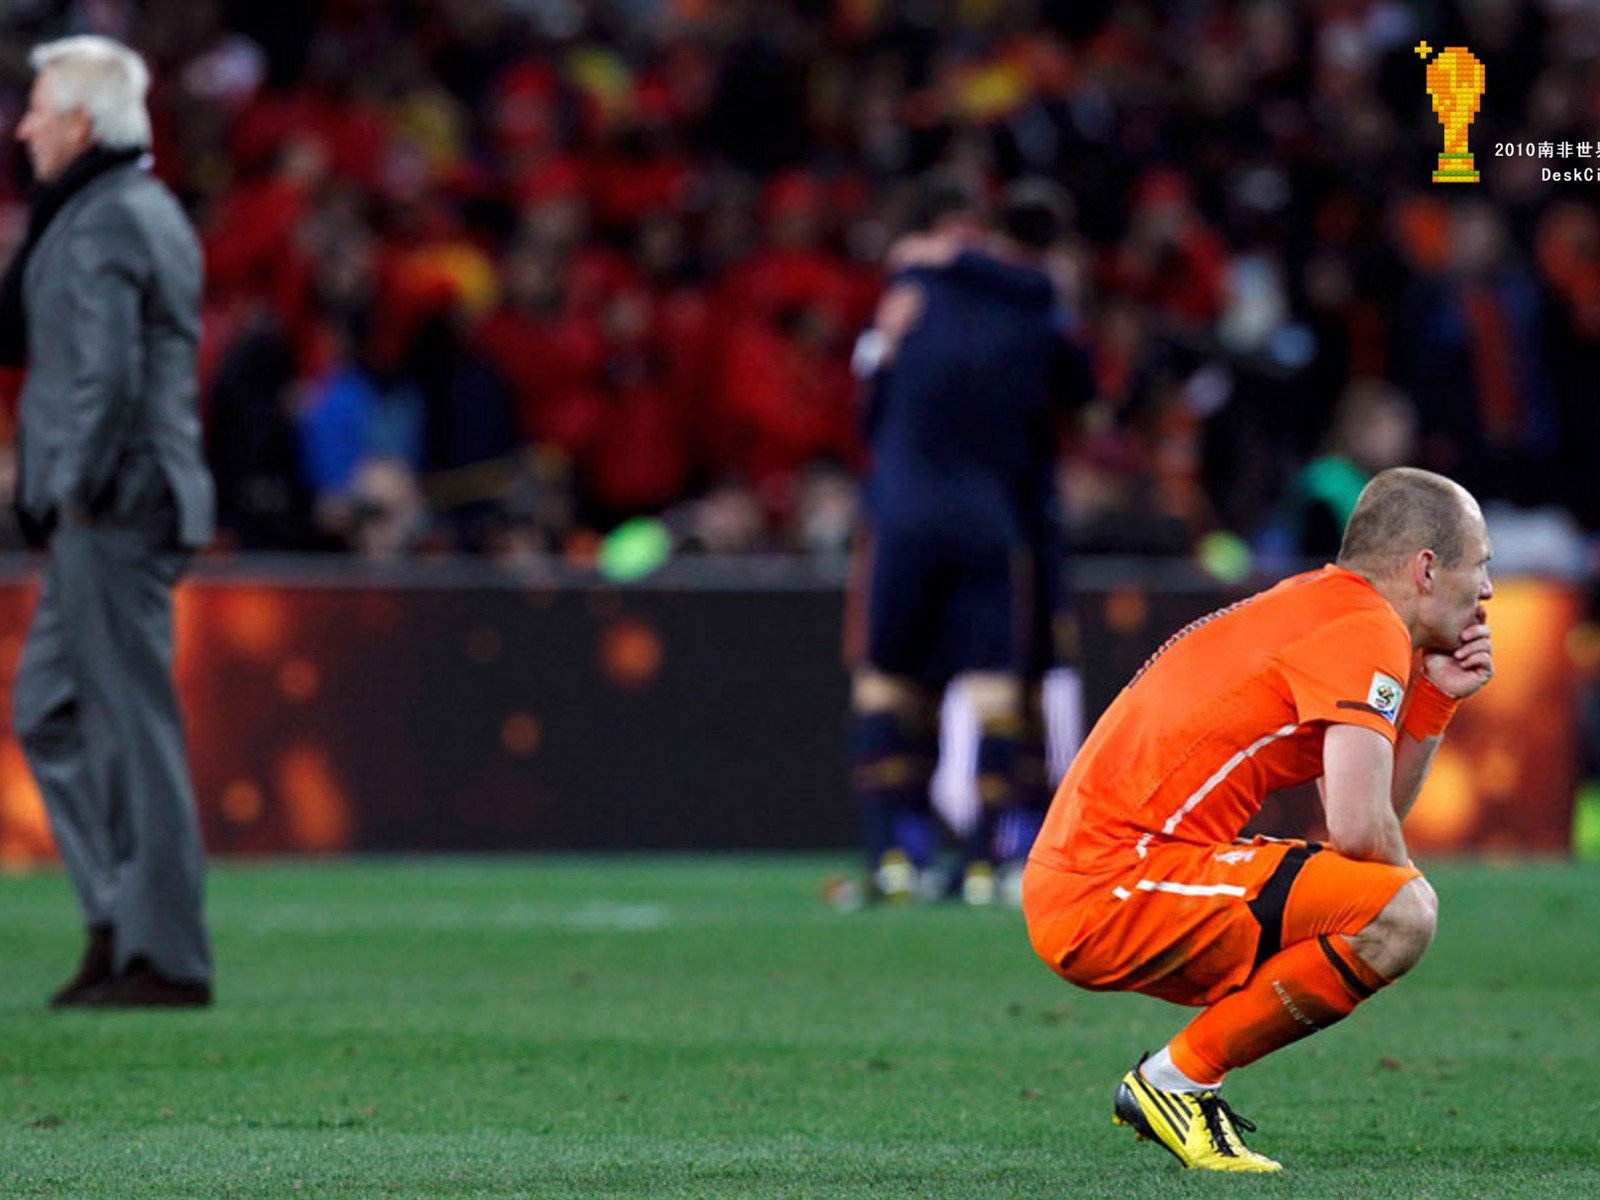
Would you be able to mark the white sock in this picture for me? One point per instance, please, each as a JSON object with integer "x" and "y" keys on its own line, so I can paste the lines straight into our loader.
{"x": 1159, "y": 1072}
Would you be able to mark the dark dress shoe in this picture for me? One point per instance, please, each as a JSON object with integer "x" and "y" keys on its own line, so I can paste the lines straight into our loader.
{"x": 94, "y": 970}
{"x": 141, "y": 986}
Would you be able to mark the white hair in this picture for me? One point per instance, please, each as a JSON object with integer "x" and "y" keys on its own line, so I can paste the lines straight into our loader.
{"x": 103, "y": 78}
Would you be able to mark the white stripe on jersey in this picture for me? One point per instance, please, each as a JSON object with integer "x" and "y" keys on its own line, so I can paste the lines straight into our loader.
{"x": 1190, "y": 889}
{"x": 1222, "y": 773}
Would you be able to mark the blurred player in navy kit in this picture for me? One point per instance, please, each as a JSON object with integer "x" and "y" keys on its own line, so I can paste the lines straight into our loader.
{"x": 969, "y": 373}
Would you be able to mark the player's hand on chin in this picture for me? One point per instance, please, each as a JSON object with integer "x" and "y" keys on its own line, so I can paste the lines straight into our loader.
{"x": 1461, "y": 672}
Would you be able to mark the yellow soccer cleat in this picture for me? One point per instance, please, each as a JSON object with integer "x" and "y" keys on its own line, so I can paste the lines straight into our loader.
{"x": 1199, "y": 1128}
{"x": 895, "y": 880}
{"x": 977, "y": 885}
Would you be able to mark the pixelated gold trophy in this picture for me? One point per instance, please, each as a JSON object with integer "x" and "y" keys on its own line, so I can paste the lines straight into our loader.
{"x": 1455, "y": 81}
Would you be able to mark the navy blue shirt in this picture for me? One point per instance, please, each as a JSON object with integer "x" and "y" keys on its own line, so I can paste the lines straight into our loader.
{"x": 962, "y": 423}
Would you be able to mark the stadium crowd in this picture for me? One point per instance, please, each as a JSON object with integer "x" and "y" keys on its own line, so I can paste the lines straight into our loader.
{"x": 492, "y": 276}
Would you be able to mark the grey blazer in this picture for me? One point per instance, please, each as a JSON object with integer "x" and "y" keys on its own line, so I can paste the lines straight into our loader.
{"x": 110, "y": 404}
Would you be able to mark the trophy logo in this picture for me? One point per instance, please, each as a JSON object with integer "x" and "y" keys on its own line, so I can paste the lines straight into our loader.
{"x": 1455, "y": 81}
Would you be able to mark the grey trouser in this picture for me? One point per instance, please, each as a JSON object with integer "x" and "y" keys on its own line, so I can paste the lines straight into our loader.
{"x": 96, "y": 711}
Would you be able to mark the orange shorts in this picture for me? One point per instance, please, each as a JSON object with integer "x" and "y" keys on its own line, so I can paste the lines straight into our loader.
{"x": 1190, "y": 923}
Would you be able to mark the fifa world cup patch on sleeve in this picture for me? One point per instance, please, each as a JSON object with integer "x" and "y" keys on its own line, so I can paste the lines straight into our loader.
{"x": 1385, "y": 695}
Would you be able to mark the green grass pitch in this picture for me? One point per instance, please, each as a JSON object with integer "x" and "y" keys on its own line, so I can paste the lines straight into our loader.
{"x": 706, "y": 1027}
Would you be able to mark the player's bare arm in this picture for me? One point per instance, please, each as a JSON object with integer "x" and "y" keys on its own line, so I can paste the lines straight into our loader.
{"x": 898, "y": 311}
{"x": 1412, "y": 758}
{"x": 1358, "y": 771}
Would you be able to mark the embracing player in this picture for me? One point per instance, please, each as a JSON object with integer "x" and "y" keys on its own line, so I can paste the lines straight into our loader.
{"x": 971, "y": 375}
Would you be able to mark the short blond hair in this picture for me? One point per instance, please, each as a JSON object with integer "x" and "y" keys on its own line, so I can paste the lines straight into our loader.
{"x": 104, "y": 79}
{"x": 1404, "y": 510}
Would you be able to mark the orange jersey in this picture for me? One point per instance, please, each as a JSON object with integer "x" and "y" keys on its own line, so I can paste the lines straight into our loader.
{"x": 1234, "y": 706}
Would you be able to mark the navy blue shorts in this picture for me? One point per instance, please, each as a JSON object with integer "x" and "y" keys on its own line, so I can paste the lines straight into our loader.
{"x": 929, "y": 606}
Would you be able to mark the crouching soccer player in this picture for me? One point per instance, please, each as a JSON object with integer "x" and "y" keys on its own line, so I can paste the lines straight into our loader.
{"x": 1347, "y": 675}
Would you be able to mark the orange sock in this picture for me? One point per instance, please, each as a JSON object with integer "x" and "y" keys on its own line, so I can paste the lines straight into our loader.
{"x": 1296, "y": 992}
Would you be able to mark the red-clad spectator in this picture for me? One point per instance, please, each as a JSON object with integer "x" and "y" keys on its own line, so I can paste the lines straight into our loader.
{"x": 794, "y": 267}
{"x": 556, "y": 213}
{"x": 684, "y": 320}
{"x": 641, "y": 460}
{"x": 250, "y": 240}
{"x": 549, "y": 353}
{"x": 641, "y": 167}
{"x": 553, "y": 181}
{"x": 1170, "y": 260}
{"x": 596, "y": 274}
{"x": 432, "y": 259}
{"x": 526, "y": 115}
{"x": 785, "y": 400}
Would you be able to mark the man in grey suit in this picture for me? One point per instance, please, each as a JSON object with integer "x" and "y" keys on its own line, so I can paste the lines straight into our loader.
{"x": 102, "y": 305}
